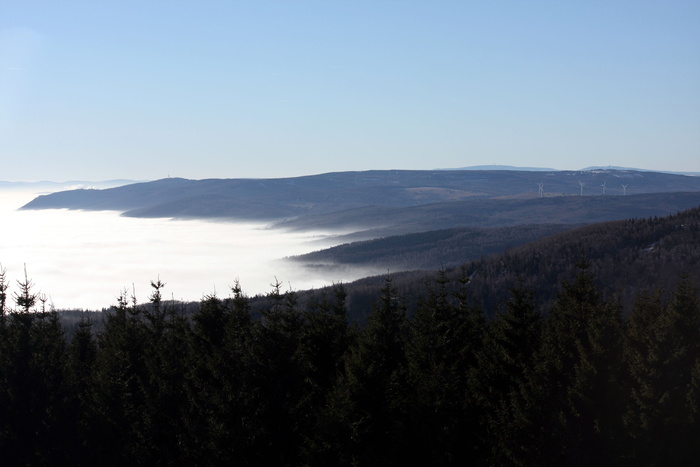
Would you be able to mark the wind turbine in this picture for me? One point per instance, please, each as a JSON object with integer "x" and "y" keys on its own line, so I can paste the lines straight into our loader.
{"x": 581, "y": 183}
{"x": 624, "y": 190}
{"x": 541, "y": 187}
{"x": 603, "y": 185}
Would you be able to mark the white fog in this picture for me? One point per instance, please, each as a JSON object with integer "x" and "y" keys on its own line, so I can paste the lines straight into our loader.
{"x": 84, "y": 259}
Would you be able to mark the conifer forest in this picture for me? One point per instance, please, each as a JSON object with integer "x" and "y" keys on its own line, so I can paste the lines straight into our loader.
{"x": 576, "y": 383}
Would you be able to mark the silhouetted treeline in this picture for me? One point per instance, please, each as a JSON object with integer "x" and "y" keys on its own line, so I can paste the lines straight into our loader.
{"x": 575, "y": 384}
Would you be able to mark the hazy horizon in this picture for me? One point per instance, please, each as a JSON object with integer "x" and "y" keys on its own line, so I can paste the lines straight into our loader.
{"x": 70, "y": 184}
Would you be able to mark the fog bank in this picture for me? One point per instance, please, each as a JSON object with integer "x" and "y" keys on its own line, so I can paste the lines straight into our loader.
{"x": 84, "y": 259}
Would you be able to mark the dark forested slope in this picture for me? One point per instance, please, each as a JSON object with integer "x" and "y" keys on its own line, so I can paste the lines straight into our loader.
{"x": 625, "y": 256}
{"x": 429, "y": 250}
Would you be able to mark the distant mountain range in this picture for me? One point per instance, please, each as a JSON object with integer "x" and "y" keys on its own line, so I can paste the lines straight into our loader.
{"x": 406, "y": 219}
{"x": 543, "y": 169}
{"x": 331, "y": 193}
{"x": 504, "y": 167}
{"x": 425, "y": 220}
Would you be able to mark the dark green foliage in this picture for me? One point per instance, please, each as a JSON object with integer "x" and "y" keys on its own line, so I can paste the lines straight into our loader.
{"x": 25, "y": 299}
{"x": 663, "y": 358}
{"x": 578, "y": 377}
{"x": 325, "y": 339}
{"x": 220, "y": 411}
{"x": 277, "y": 379}
{"x": 80, "y": 370}
{"x": 32, "y": 390}
{"x": 120, "y": 381}
{"x": 506, "y": 368}
{"x": 369, "y": 403}
{"x": 573, "y": 384}
{"x": 446, "y": 336}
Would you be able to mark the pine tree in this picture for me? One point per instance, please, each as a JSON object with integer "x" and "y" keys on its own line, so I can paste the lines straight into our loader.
{"x": 18, "y": 422}
{"x": 121, "y": 378}
{"x": 165, "y": 359}
{"x": 370, "y": 401}
{"x": 663, "y": 355}
{"x": 277, "y": 380}
{"x": 444, "y": 342}
{"x": 80, "y": 368}
{"x": 33, "y": 389}
{"x": 580, "y": 377}
{"x": 49, "y": 388}
{"x": 506, "y": 364}
{"x": 221, "y": 424}
{"x": 25, "y": 299}
{"x": 324, "y": 341}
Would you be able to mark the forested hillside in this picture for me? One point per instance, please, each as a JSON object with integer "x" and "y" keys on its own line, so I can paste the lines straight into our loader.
{"x": 627, "y": 256}
{"x": 286, "y": 198}
{"x": 376, "y": 221}
{"x": 433, "y": 249}
{"x": 574, "y": 383}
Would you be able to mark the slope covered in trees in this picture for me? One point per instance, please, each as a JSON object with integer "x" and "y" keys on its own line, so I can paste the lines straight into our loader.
{"x": 627, "y": 256}
{"x": 428, "y": 250}
{"x": 574, "y": 383}
{"x": 377, "y": 221}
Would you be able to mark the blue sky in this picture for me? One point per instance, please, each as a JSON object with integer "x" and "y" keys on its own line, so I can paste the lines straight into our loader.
{"x": 95, "y": 90}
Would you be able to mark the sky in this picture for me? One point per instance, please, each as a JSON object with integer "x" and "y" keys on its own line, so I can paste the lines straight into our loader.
{"x": 99, "y": 90}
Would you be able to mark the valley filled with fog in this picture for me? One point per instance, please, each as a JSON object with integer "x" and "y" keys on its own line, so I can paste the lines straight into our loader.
{"x": 84, "y": 259}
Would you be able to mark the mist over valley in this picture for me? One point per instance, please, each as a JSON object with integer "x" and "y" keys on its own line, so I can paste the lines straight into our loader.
{"x": 83, "y": 246}
{"x": 84, "y": 259}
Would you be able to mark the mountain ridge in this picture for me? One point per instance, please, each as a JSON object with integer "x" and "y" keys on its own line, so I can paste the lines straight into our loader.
{"x": 284, "y": 198}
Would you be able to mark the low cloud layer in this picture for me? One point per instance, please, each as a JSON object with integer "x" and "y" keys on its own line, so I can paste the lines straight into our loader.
{"x": 84, "y": 259}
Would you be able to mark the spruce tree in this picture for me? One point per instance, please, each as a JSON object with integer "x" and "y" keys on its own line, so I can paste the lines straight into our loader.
{"x": 277, "y": 380}
{"x": 80, "y": 368}
{"x": 445, "y": 339}
{"x": 164, "y": 398}
{"x": 121, "y": 379}
{"x": 221, "y": 427}
{"x": 205, "y": 384}
{"x": 506, "y": 364}
{"x": 663, "y": 355}
{"x": 370, "y": 400}
{"x": 579, "y": 378}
